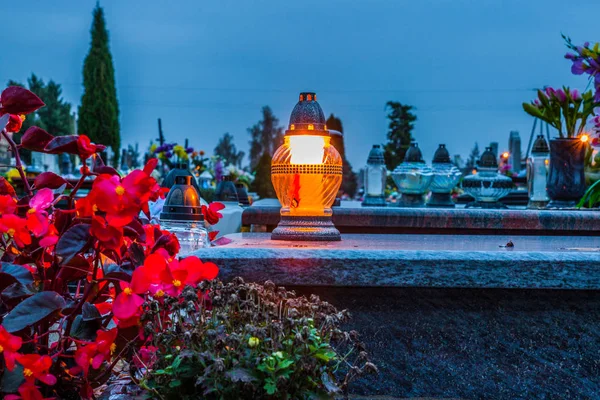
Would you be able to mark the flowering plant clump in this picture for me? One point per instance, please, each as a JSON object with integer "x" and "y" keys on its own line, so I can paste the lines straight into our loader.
{"x": 77, "y": 273}
{"x": 239, "y": 175}
{"x": 586, "y": 60}
{"x": 248, "y": 341}
{"x": 172, "y": 154}
{"x": 565, "y": 109}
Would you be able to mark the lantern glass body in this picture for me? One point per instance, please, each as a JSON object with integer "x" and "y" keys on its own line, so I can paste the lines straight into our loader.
{"x": 192, "y": 235}
{"x": 445, "y": 177}
{"x": 487, "y": 185}
{"x": 375, "y": 177}
{"x": 412, "y": 177}
{"x": 306, "y": 172}
{"x": 537, "y": 176}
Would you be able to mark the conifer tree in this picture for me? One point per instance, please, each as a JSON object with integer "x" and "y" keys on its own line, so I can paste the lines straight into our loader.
{"x": 99, "y": 110}
{"x": 349, "y": 180}
{"x": 399, "y": 134}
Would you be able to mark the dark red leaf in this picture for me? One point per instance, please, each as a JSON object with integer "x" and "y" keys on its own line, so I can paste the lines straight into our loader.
{"x": 18, "y": 100}
{"x": 74, "y": 241}
{"x": 32, "y": 310}
{"x": 76, "y": 269}
{"x": 6, "y": 188}
{"x": 11, "y": 273}
{"x": 50, "y": 180}
{"x": 62, "y": 220}
{"x": 62, "y": 144}
{"x": 15, "y": 293}
{"x": 105, "y": 169}
{"x": 35, "y": 138}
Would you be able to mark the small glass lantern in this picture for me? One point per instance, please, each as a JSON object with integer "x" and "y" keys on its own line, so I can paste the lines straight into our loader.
{"x": 445, "y": 178}
{"x": 412, "y": 178}
{"x": 537, "y": 173}
{"x": 226, "y": 190}
{"x": 375, "y": 175}
{"x": 487, "y": 186}
{"x": 182, "y": 215}
{"x": 306, "y": 172}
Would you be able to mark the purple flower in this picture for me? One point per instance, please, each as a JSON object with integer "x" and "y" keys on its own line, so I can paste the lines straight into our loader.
{"x": 189, "y": 150}
{"x": 550, "y": 92}
{"x": 537, "y": 103}
{"x": 578, "y": 67}
{"x": 586, "y": 44}
{"x": 570, "y": 56}
{"x": 168, "y": 154}
{"x": 560, "y": 94}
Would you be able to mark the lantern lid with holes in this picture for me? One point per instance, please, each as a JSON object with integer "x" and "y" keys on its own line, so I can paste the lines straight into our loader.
{"x": 540, "y": 145}
{"x": 183, "y": 201}
{"x": 307, "y": 117}
{"x": 376, "y": 156}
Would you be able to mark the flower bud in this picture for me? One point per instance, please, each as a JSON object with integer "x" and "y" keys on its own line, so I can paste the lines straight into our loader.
{"x": 15, "y": 122}
{"x": 253, "y": 342}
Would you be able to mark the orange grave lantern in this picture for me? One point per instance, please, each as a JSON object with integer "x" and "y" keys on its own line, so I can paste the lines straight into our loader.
{"x": 306, "y": 172}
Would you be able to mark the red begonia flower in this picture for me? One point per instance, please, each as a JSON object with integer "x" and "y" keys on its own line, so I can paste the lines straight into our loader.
{"x": 15, "y": 122}
{"x": 85, "y": 208}
{"x": 8, "y": 204}
{"x": 111, "y": 237}
{"x": 16, "y": 228}
{"x": 211, "y": 213}
{"x": 127, "y": 303}
{"x": 197, "y": 271}
{"x": 37, "y": 217}
{"x": 50, "y": 237}
{"x": 86, "y": 148}
{"x": 106, "y": 342}
{"x": 84, "y": 358}
{"x": 146, "y": 357}
{"x": 9, "y": 344}
{"x": 36, "y": 367}
{"x": 27, "y": 391}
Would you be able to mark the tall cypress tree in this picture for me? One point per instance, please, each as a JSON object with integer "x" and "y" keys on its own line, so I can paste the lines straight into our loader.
{"x": 99, "y": 110}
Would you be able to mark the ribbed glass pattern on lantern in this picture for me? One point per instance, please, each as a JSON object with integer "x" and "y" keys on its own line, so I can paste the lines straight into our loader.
{"x": 306, "y": 172}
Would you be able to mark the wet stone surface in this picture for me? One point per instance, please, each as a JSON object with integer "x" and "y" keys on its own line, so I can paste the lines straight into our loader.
{"x": 352, "y": 218}
{"x": 414, "y": 260}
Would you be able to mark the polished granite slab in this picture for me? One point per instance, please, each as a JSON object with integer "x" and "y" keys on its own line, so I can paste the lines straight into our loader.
{"x": 352, "y": 218}
{"x": 449, "y": 261}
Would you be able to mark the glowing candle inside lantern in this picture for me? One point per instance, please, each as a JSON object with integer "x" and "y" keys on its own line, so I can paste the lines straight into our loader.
{"x": 307, "y": 149}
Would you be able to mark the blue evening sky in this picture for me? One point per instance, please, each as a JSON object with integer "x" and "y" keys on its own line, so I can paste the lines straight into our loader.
{"x": 207, "y": 67}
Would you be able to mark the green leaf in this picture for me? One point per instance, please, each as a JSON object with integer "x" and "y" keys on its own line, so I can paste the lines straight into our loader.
{"x": 32, "y": 310}
{"x": 325, "y": 355}
{"x": 283, "y": 364}
{"x": 270, "y": 386}
{"x": 175, "y": 383}
{"x": 176, "y": 363}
